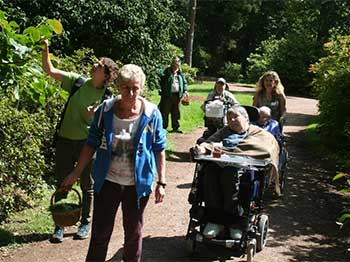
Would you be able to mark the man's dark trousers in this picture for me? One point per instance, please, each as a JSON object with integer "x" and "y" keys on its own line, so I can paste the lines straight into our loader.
{"x": 170, "y": 105}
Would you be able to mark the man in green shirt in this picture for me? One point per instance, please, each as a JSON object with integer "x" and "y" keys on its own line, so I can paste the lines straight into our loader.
{"x": 75, "y": 127}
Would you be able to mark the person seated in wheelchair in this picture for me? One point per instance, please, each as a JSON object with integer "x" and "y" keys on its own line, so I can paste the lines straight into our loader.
{"x": 267, "y": 123}
{"x": 220, "y": 184}
{"x": 215, "y": 105}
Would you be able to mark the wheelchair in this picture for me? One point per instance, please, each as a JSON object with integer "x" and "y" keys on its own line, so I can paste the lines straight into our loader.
{"x": 250, "y": 178}
{"x": 253, "y": 113}
{"x": 214, "y": 116}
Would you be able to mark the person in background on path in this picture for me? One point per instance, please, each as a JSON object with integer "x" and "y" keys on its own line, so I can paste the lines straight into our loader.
{"x": 270, "y": 93}
{"x": 268, "y": 124}
{"x": 75, "y": 127}
{"x": 128, "y": 137}
{"x": 221, "y": 92}
{"x": 173, "y": 86}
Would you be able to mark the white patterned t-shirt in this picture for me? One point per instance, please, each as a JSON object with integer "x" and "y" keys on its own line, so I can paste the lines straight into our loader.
{"x": 122, "y": 166}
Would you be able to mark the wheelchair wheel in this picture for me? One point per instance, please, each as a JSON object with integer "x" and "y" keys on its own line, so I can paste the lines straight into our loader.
{"x": 251, "y": 250}
{"x": 282, "y": 179}
{"x": 263, "y": 227}
{"x": 283, "y": 172}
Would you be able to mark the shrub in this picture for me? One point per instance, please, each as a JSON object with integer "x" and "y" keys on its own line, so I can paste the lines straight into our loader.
{"x": 189, "y": 72}
{"x": 22, "y": 163}
{"x": 331, "y": 86}
{"x": 290, "y": 57}
{"x": 261, "y": 61}
{"x": 231, "y": 72}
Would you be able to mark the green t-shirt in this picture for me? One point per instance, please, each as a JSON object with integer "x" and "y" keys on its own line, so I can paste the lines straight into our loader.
{"x": 76, "y": 122}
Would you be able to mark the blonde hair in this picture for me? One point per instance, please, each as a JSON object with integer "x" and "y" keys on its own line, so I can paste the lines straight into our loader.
{"x": 131, "y": 72}
{"x": 278, "y": 88}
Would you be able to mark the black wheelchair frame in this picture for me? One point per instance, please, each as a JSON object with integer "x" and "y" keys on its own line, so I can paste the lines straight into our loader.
{"x": 252, "y": 178}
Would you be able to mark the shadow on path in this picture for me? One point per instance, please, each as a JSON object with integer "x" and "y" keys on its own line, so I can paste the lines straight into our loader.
{"x": 8, "y": 238}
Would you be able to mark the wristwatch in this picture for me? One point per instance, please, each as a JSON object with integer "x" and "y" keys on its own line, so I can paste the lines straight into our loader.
{"x": 161, "y": 184}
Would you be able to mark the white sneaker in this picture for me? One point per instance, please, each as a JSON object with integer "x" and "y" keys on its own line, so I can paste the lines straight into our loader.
{"x": 211, "y": 230}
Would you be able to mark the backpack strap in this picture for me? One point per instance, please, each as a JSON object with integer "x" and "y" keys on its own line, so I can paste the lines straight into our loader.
{"x": 107, "y": 94}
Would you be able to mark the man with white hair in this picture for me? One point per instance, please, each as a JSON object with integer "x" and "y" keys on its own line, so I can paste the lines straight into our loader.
{"x": 267, "y": 123}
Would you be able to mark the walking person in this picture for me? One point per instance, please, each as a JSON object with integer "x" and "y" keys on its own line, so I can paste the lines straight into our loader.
{"x": 129, "y": 140}
{"x": 74, "y": 128}
{"x": 173, "y": 86}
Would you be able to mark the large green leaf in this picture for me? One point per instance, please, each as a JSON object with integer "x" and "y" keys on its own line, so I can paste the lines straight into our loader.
{"x": 340, "y": 175}
{"x": 13, "y": 25}
{"x": 46, "y": 31}
{"x": 344, "y": 217}
{"x": 33, "y": 32}
{"x": 56, "y": 25}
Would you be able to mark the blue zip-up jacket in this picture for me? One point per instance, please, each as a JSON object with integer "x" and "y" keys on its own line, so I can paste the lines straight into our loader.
{"x": 149, "y": 138}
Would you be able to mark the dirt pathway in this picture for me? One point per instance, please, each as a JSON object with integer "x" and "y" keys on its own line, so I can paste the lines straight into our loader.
{"x": 302, "y": 224}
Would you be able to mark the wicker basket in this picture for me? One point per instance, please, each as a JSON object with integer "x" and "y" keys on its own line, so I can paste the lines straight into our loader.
{"x": 65, "y": 217}
{"x": 185, "y": 100}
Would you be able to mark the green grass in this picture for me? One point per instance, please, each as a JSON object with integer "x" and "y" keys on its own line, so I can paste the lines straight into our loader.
{"x": 33, "y": 224}
{"x": 192, "y": 115}
{"x": 28, "y": 225}
{"x": 36, "y": 224}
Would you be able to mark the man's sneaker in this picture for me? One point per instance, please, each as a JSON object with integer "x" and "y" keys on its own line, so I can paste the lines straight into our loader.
{"x": 57, "y": 236}
{"x": 83, "y": 231}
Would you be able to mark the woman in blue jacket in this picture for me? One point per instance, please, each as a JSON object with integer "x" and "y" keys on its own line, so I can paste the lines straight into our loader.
{"x": 129, "y": 140}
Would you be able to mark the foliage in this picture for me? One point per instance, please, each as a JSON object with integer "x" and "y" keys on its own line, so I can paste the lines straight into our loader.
{"x": 131, "y": 31}
{"x": 289, "y": 57}
{"x": 331, "y": 86}
{"x": 231, "y": 72}
{"x": 213, "y": 45}
{"x": 203, "y": 59}
{"x": 22, "y": 163}
{"x": 344, "y": 216}
{"x": 261, "y": 61}
{"x": 21, "y": 77}
{"x": 189, "y": 72}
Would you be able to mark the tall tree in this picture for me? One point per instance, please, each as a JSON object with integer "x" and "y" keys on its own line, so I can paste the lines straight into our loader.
{"x": 190, "y": 33}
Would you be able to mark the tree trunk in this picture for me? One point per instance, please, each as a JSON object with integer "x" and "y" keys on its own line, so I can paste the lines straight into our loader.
{"x": 190, "y": 33}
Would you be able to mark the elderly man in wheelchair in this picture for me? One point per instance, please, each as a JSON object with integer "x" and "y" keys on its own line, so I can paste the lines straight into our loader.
{"x": 266, "y": 122}
{"x": 219, "y": 183}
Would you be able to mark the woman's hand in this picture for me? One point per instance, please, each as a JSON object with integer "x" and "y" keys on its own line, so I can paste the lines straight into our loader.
{"x": 160, "y": 193}
{"x": 200, "y": 150}
{"x": 69, "y": 180}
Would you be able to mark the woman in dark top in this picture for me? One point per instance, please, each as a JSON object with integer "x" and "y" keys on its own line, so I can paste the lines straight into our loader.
{"x": 270, "y": 93}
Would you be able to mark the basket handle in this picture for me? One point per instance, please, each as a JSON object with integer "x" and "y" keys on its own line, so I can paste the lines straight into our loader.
{"x": 52, "y": 201}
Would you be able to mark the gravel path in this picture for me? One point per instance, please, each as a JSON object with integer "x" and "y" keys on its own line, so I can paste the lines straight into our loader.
{"x": 302, "y": 224}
